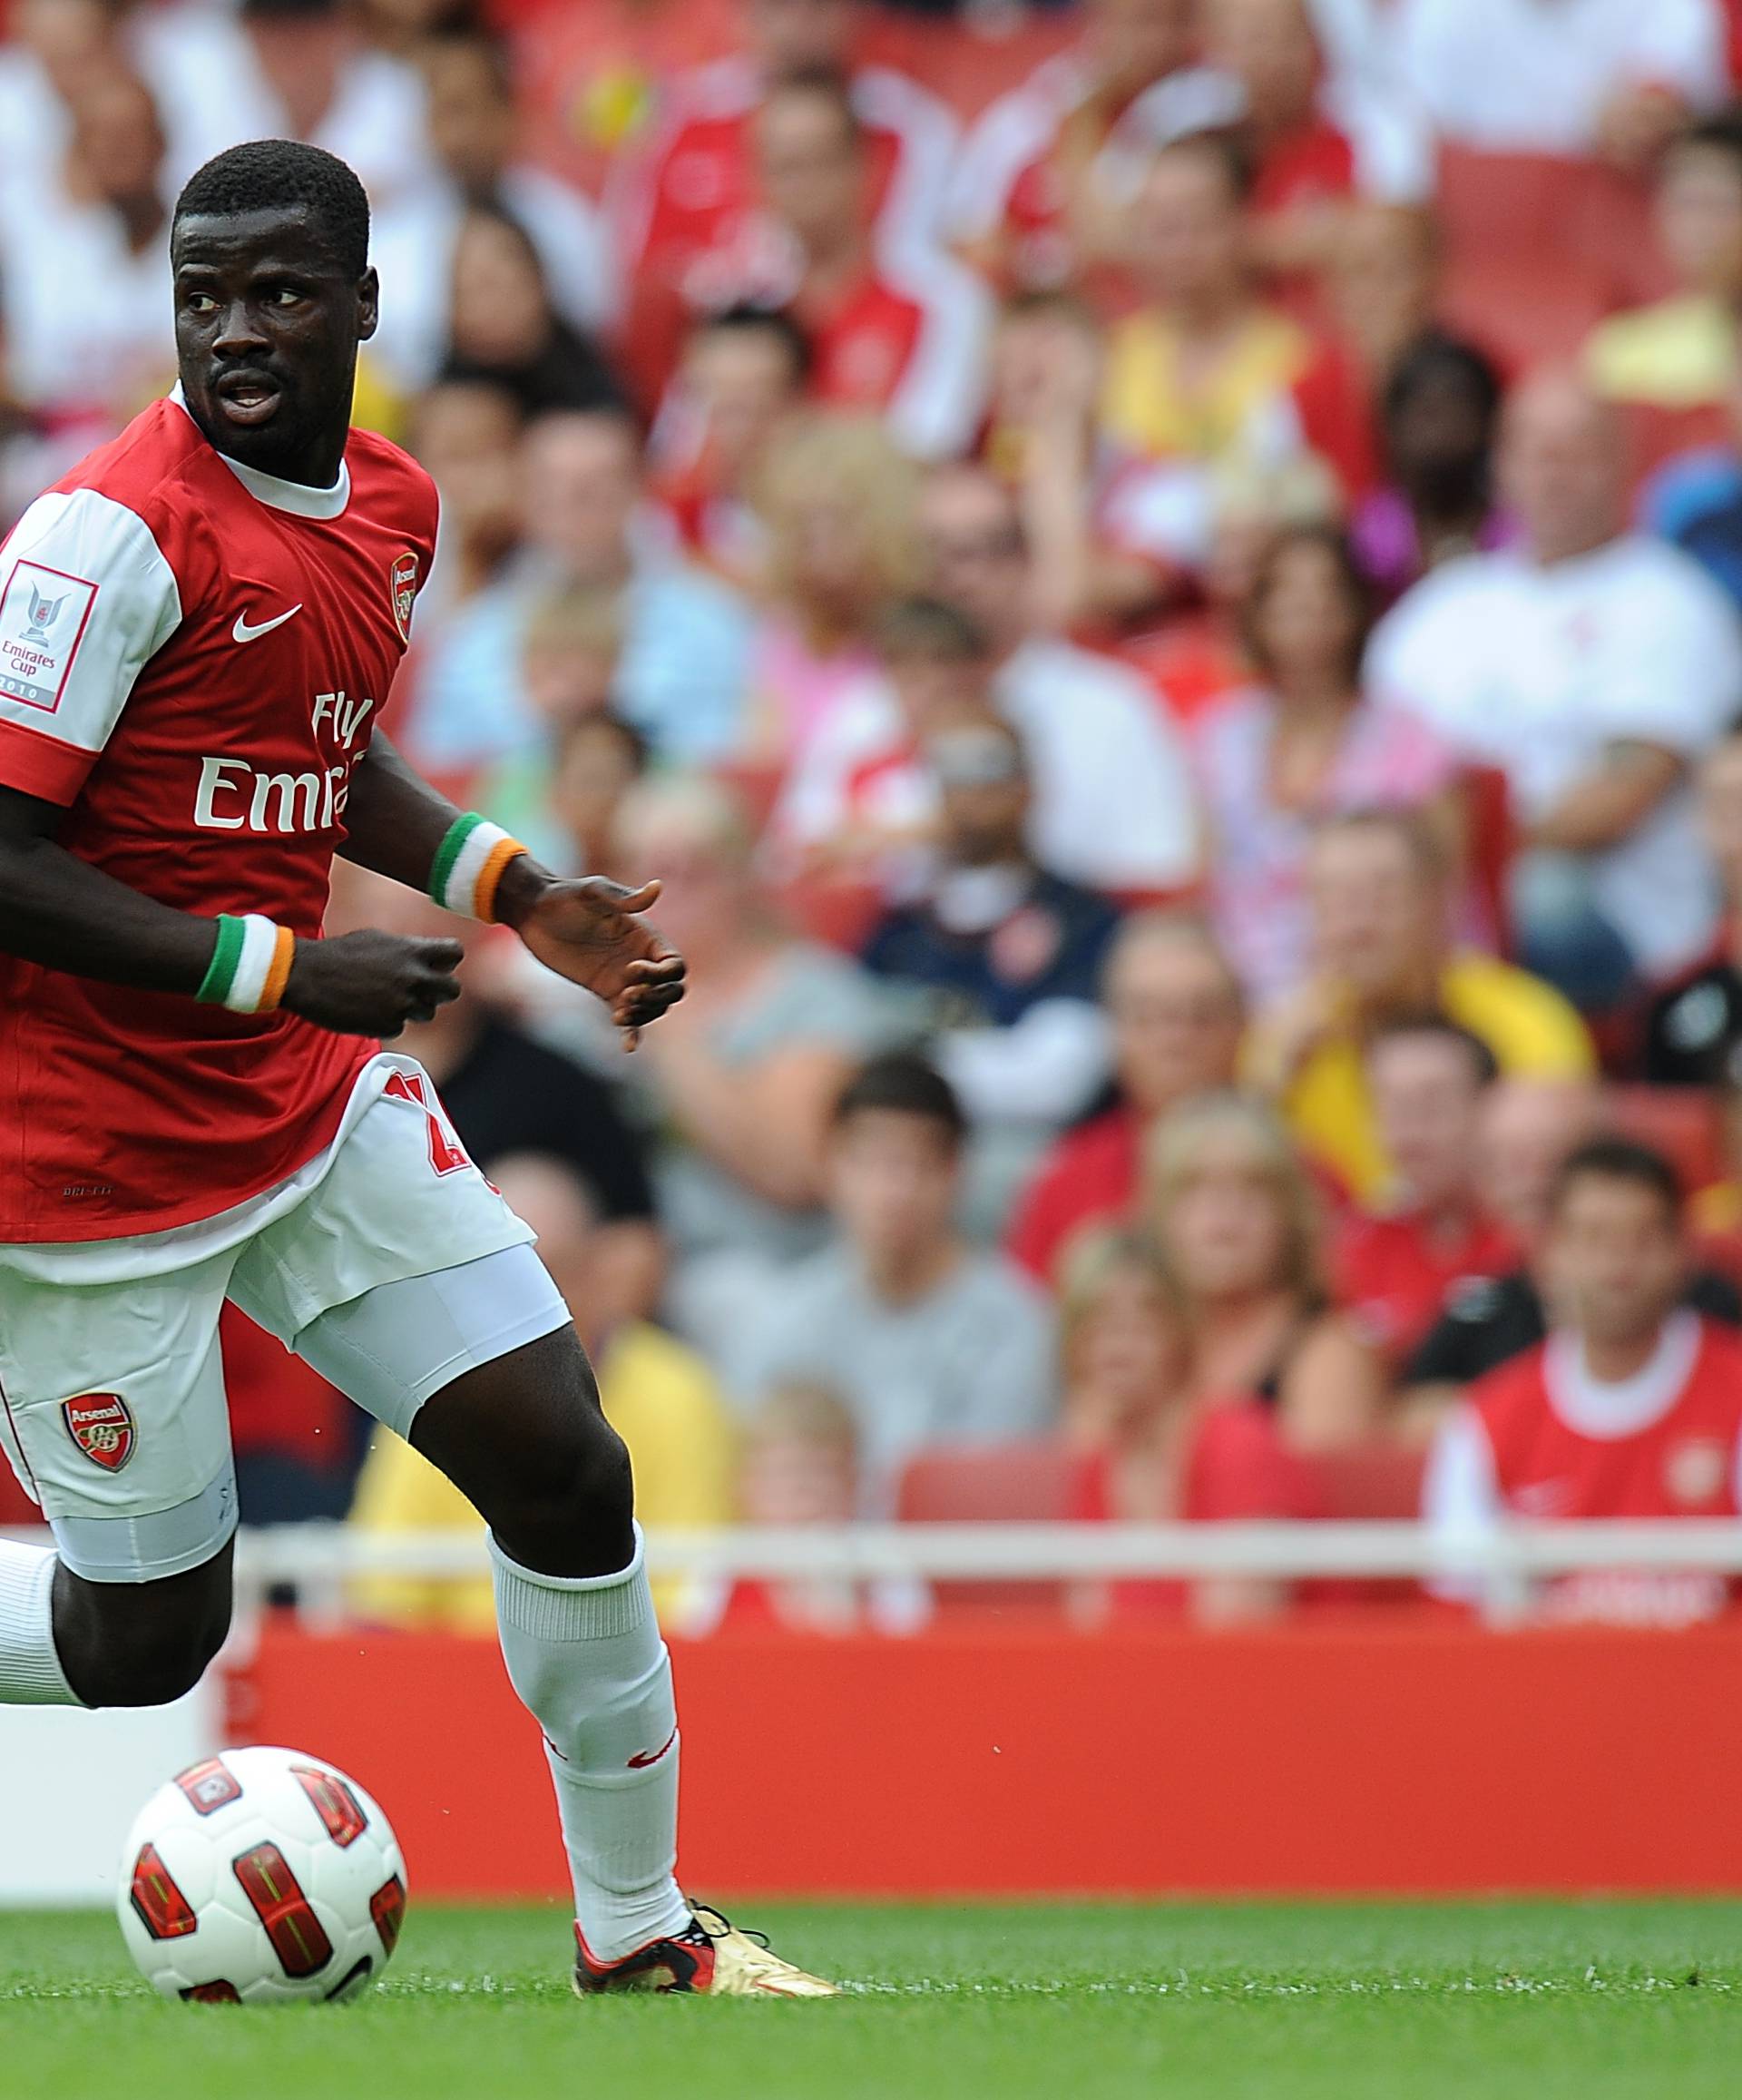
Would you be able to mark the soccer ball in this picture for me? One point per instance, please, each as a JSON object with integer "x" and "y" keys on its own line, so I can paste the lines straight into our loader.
{"x": 260, "y": 1876}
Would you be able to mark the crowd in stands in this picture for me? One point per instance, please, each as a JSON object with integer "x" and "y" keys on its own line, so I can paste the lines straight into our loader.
{"x": 1160, "y": 584}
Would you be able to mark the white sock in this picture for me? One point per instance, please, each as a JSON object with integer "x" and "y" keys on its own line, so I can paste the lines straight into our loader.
{"x": 30, "y": 1669}
{"x": 586, "y": 1657}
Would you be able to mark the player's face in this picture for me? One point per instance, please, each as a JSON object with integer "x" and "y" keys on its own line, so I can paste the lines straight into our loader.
{"x": 266, "y": 329}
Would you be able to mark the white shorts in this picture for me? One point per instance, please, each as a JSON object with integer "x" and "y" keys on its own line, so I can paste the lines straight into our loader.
{"x": 389, "y": 1263}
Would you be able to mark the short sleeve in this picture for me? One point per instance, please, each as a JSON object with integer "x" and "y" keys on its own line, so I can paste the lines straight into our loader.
{"x": 86, "y": 600}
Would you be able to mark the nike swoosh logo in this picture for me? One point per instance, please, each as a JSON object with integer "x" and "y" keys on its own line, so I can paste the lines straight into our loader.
{"x": 642, "y": 1759}
{"x": 243, "y": 632}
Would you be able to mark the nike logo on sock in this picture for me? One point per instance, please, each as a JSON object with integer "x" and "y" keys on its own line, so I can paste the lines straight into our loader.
{"x": 643, "y": 1758}
{"x": 243, "y": 632}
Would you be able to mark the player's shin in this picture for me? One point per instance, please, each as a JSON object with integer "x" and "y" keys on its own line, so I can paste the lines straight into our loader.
{"x": 30, "y": 1666}
{"x": 586, "y": 1657}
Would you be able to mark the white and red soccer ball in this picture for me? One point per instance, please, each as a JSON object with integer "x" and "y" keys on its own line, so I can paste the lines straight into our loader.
{"x": 261, "y": 1875}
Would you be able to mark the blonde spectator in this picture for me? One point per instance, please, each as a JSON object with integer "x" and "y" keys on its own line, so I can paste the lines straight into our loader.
{"x": 1235, "y": 1217}
{"x": 658, "y": 1395}
{"x": 837, "y": 502}
{"x": 1158, "y": 1451}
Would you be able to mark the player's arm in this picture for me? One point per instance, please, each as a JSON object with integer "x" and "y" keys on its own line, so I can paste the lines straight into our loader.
{"x": 58, "y": 910}
{"x": 590, "y": 931}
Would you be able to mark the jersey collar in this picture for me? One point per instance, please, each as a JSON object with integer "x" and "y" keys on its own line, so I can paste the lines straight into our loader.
{"x": 294, "y": 496}
{"x": 1606, "y": 1412}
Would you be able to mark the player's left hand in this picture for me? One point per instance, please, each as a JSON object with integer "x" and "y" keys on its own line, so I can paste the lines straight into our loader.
{"x": 591, "y": 932}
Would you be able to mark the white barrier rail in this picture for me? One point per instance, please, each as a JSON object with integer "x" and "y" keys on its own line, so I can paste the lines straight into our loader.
{"x": 319, "y": 1560}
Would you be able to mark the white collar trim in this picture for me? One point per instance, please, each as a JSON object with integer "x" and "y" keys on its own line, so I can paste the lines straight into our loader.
{"x": 1608, "y": 1411}
{"x": 294, "y": 496}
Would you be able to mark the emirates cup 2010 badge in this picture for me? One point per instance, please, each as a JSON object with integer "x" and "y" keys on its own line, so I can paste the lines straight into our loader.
{"x": 402, "y": 583}
{"x": 102, "y": 1426}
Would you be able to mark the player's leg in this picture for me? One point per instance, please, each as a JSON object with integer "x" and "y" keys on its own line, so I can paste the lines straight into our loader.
{"x": 114, "y": 1419}
{"x": 516, "y": 1425}
{"x": 407, "y": 1281}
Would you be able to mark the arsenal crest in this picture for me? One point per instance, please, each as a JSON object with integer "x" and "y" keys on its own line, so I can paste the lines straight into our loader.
{"x": 402, "y": 586}
{"x": 102, "y": 1426}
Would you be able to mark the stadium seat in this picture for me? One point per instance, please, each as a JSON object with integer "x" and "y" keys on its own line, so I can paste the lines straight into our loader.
{"x": 840, "y": 914}
{"x": 1684, "y": 1123}
{"x": 1031, "y": 1482}
{"x": 1489, "y": 838}
{"x": 1367, "y": 1483}
{"x": 1380, "y": 1482}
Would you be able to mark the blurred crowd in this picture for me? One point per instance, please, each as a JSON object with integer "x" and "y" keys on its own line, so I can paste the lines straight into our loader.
{"x": 1161, "y": 582}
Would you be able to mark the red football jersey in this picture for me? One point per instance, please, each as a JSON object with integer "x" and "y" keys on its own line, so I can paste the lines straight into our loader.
{"x": 1667, "y": 1444}
{"x": 192, "y": 657}
{"x": 1394, "y": 1275}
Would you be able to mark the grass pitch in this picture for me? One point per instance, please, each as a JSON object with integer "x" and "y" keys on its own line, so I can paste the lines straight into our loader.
{"x": 1555, "y": 2001}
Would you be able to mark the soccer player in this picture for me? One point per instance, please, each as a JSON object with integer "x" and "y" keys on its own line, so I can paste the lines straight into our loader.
{"x": 198, "y": 627}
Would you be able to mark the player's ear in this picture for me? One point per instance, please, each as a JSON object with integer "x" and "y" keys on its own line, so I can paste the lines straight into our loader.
{"x": 368, "y": 304}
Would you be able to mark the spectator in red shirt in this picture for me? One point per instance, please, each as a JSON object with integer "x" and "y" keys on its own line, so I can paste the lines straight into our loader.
{"x": 1235, "y": 1217}
{"x": 1393, "y": 1267}
{"x": 900, "y": 331}
{"x": 1154, "y": 1454}
{"x": 1632, "y": 1408}
{"x": 1177, "y": 1018}
{"x": 691, "y": 214}
{"x": 1316, "y": 140}
{"x": 1041, "y": 194}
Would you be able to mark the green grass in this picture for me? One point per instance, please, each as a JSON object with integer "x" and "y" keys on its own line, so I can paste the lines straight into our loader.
{"x": 1479, "y": 2001}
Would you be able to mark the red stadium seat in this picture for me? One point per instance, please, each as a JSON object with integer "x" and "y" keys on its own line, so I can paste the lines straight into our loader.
{"x": 1489, "y": 838}
{"x": 1033, "y": 1482}
{"x": 1373, "y": 1483}
{"x": 1684, "y": 1123}
{"x": 1367, "y": 1483}
{"x": 840, "y": 914}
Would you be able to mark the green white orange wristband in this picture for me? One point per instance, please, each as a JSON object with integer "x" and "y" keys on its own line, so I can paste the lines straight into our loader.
{"x": 469, "y": 864}
{"x": 249, "y": 966}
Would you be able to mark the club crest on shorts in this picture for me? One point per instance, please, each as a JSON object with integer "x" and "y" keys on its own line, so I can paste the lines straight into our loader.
{"x": 402, "y": 586}
{"x": 102, "y": 1426}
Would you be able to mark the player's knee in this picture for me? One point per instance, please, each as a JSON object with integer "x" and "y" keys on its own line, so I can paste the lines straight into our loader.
{"x": 141, "y": 1669}
{"x": 591, "y": 1482}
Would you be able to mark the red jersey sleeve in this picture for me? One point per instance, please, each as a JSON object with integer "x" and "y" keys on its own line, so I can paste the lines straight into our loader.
{"x": 87, "y": 599}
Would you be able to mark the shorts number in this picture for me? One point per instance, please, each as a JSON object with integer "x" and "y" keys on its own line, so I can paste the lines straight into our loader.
{"x": 445, "y": 1153}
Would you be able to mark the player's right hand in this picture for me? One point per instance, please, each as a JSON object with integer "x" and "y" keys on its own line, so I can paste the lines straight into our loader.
{"x": 370, "y": 983}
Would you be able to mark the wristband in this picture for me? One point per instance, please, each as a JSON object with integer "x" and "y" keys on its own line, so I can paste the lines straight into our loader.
{"x": 249, "y": 966}
{"x": 468, "y": 865}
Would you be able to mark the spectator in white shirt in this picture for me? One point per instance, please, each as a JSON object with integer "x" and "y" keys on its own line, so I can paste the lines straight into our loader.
{"x": 1592, "y": 666}
{"x": 286, "y": 69}
{"x": 473, "y": 126}
{"x": 1114, "y": 803}
{"x": 1614, "y": 77}
{"x": 85, "y": 271}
